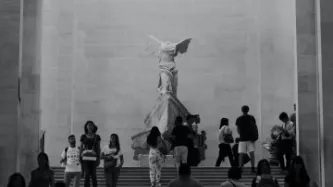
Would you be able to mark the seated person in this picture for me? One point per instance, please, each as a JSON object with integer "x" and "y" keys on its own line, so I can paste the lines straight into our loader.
{"x": 234, "y": 149}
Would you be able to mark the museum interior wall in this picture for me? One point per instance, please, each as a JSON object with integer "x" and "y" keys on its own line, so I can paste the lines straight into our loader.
{"x": 95, "y": 66}
{"x": 21, "y": 117}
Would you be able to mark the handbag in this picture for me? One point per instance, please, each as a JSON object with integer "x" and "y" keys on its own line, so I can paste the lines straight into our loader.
{"x": 90, "y": 155}
{"x": 228, "y": 138}
{"x": 163, "y": 147}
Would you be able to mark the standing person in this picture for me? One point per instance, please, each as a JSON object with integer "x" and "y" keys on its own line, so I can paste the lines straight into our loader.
{"x": 43, "y": 176}
{"x": 225, "y": 138}
{"x": 248, "y": 135}
{"x": 113, "y": 161}
{"x": 16, "y": 180}
{"x": 90, "y": 153}
{"x": 298, "y": 175}
{"x": 155, "y": 142}
{"x": 193, "y": 157}
{"x": 264, "y": 176}
{"x": 70, "y": 157}
{"x": 234, "y": 175}
{"x": 184, "y": 178}
{"x": 286, "y": 142}
{"x": 180, "y": 134}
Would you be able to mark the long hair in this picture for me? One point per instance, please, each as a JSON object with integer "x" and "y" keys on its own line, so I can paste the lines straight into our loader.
{"x": 152, "y": 137}
{"x": 117, "y": 144}
{"x": 42, "y": 154}
{"x": 15, "y": 177}
{"x": 224, "y": 121}
{"x": 86, "y": 127}
{"x": 260, "y": 165}
{"x": 303, "y": 174}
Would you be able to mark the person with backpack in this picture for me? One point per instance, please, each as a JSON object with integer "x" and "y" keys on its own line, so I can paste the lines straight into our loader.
{"x": 264, "y": 177}
{"x": 113, "y": 161}
{"x": 90, "y": 153}
{"x": 248, "y": 135}
{"x": 225, "y": 138}
{"x": 70, "y": 158}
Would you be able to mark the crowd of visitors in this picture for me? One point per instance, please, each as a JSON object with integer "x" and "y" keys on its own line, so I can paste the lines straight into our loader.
{"x": 297, "y": 176}
{"x": 81, "y": 161}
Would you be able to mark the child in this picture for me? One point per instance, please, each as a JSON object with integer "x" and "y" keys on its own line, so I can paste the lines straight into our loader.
{"x": 246, "y": 158}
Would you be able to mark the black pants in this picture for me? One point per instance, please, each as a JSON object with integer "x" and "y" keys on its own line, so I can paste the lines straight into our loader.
{"x": 285, "y": 149}
{"x": 111, "y": 176}
{"x": 224, "y": 151}
{"x": 89, "y": 172}
{"x": 193, "y": 157}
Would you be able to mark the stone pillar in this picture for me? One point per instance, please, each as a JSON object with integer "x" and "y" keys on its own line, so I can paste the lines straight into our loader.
{"x": 9, "y": 61}
{"x": 19, "y": 112}
{"x": 326, "y": 28}
{"x": 315, "y": 74}
{"x": 308, "y": 122}
{"x": 29, "y": 110}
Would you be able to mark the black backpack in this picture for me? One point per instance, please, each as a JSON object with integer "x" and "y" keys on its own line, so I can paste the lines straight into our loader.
{"x": 254, "y": 131}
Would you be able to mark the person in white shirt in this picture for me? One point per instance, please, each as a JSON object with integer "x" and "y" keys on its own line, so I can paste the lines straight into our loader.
{"x": 113, "y": 161}
{"x": 70, "y": 158}
{"x": 224, "y": 138}
{"x": 286, "y": 141}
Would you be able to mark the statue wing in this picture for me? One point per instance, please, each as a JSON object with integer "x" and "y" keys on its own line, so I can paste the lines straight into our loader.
{"x": 155, "y": 39}
{"x": 182, "y": 46}
{"x": 153, "y": 47}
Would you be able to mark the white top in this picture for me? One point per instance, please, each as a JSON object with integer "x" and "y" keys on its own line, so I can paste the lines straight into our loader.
{"x": 107, "y": 151}
{"x": 72, "y": 156}
{"x": 222, "y": 132}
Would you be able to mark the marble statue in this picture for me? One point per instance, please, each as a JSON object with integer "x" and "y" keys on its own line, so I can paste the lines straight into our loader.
{"x": 167, "y": 106}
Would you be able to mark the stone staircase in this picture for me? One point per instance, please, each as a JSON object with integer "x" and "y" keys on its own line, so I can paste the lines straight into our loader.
{"x": 139, "y": 176}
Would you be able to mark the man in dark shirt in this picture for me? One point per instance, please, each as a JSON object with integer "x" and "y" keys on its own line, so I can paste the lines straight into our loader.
{"x": 244, "y": 124}
{"x": 180, "y": 135}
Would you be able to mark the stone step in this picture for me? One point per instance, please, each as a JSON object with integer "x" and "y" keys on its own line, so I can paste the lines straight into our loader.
{"x": 139, "y": 176}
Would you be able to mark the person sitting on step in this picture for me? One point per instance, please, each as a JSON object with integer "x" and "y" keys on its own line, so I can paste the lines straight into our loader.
{"x": 234, "y": 175}
{"x": 184, "y": 178}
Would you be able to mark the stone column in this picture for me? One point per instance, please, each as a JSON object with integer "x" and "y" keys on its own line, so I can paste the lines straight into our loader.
{"x": 315, "y": 74}
{"x": 326, "y": 28}
{"x": 308, "y": 125}
{"x": 19, "y": 112}
{"x": 29, "y": 110}
{"x": 9, "y": 61}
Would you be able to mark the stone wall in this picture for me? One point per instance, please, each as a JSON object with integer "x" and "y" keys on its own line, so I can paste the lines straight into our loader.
{"x": 95, "y": 67}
